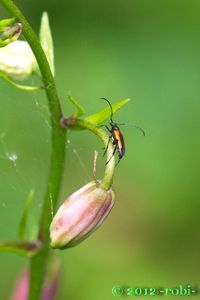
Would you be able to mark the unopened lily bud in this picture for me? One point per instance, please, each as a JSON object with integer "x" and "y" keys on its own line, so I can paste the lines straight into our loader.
{"x": 17, "y": 60}
{"x": 82, "y": 213}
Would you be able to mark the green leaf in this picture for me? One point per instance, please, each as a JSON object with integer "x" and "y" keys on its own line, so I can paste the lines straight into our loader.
{"x": 19, "y": 86}
{"x": 46, "y": 40}
{"x": 24, "y": 217}
{"x": 103, "y": 115}
{"x": 80, "y": 110}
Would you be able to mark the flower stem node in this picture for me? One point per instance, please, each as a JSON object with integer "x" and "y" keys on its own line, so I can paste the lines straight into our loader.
{"x": 81, "y": 214}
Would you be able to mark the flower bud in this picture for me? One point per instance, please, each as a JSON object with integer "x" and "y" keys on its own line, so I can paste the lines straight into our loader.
{"x": 21, "y": 287}
{"x": 11, "y": 34}
{"x": 49, "y": 289}
{"x": 17, "y": 60}
{"x": 81, "y": 214}
{"x": 10, "y": 30}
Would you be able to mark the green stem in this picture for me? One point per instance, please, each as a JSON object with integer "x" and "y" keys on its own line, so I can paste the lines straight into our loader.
{"x": 110, "y": 167}
{"x": 39, "y": 261}
{"x": 20, "y": 86}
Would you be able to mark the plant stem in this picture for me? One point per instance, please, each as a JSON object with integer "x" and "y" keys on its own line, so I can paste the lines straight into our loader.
{"x": 39, "y": 261}
{"x": 110, "y": 167}
{"x": 74, "y": 123}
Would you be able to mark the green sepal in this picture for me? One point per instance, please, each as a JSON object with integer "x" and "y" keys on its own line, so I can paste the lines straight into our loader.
{"x": 104, "y": 114}
{"x": 4, "y": 43}
{"x": 46, "y": 40}
{"x": 80, "y": 110}
{"x": 19, "y": 86}
{"x": 7, "y": 22}
{"x": 24, "y": 217}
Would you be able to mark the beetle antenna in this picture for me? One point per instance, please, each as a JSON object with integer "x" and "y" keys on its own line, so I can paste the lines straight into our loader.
{"x": 111, "y": 110}
{"x": 137, "y": 127}
{"x": 140, "y": 129}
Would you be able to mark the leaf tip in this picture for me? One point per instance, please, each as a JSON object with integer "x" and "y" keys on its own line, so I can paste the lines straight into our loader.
{"x": 45, "y": 16}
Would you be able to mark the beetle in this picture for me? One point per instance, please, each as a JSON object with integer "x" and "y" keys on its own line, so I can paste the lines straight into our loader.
{"x": 116, "y": 137}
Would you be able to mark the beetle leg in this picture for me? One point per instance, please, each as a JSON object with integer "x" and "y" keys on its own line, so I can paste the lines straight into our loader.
{"x": 112, "y": 154}
{"x": 115, "y": 142}
{"x": 107, "y": 145}
{"x": 117, "y": 162}
{"x": 106, "y": 127}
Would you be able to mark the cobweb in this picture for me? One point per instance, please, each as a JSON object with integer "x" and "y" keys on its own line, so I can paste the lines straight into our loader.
{"x": 13, "y": 156}
{"x": 8, "y": 155}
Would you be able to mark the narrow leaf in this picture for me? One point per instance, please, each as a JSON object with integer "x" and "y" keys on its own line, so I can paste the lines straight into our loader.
{"x": 24, "y": 217}
{"x": 104, "y": 114}
{"x": 19, "y": 86}
{"x": 46, "y": 40}
{"x": 80, "y": 110}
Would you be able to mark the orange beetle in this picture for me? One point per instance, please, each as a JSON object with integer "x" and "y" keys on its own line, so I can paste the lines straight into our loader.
{"x": 116, "y": 137}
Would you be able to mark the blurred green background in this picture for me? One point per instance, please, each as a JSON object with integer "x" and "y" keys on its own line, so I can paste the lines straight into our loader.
{"x": 148, "y": 51}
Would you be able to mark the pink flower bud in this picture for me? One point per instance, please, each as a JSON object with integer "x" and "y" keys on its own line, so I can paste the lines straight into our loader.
{"x": 82, "y": 213}
{"x": 49, "y": 289}
{"x": 21, "y": 287}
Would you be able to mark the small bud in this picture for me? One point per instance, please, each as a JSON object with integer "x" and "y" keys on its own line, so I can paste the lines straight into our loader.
{"x": 81, "y": 214}
{"x": 10, "y": 30}
{"x": 21, "y": 287}
{"x": 11, "y": 34}
{"x": 17, "y": 60}
{"x": 50, "y": 286}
